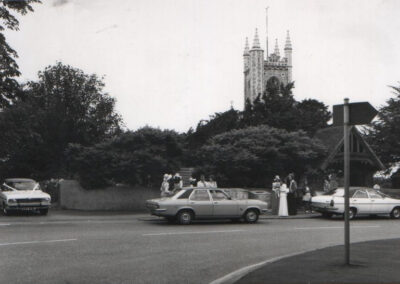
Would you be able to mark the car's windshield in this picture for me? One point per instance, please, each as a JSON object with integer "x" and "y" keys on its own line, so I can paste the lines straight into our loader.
{"x": 22, "y": 185}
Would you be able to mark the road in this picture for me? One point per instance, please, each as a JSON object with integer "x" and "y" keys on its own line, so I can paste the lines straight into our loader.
{"x": 77, "y": 247}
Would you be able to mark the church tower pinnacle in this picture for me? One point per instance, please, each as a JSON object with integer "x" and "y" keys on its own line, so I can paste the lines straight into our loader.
{"x": 288, "y": 55}
{"x": 276, "y": 51}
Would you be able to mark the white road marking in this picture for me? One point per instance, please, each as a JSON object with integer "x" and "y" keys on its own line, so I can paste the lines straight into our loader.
{"x": 37, "y": 242}
{"x": 190, "y": 233}
{"x": 341, "y": 227}
{"x": 3, "y": 224}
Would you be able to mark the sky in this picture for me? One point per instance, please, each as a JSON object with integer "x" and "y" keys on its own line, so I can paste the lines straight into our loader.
{"x": 172, "y": 63}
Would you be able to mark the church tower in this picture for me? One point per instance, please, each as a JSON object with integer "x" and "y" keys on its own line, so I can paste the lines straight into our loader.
{"x": 274, "y": 69}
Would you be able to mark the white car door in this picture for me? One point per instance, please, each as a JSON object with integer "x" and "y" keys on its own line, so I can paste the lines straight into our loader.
{"x": 379, "y": 204}
{"x": 361, "y": 201}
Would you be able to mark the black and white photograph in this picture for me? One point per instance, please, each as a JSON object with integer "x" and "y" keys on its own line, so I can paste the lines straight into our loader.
{"x": 199, "y": 141}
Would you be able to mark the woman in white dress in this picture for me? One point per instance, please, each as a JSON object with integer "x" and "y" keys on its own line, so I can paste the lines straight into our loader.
{"x": 283, "y": 206}
{"x": 165, "y": 186}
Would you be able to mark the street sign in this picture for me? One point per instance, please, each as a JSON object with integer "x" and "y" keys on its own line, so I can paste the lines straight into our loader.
{"x": 359, "y": 113}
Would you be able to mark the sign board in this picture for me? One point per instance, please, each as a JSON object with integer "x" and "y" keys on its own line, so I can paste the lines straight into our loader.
{"x": 360, "y": 113}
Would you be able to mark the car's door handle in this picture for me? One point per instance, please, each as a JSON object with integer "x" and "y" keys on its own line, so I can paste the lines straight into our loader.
{"x": 215, "y": 202}
{"x": 354, "y": 199}
{"x": 372, "y": 200}
{"x": 192, "y": 202}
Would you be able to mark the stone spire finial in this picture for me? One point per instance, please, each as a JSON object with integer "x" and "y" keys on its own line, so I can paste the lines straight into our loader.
{"x": 288, "y": 44}
{"x": 276, "y": 51}
{"x": 246, "y": 47}
{"x": 256, "y": 43}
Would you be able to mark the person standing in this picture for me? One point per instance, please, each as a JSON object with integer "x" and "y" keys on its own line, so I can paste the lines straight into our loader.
{"x": 292, "y": 196}
{"x": 165, "y": 186}
{"x": 212, "y": 183}
{"x": 178, "y": 183}
{"x": 307, "y": 198}
{"x": 202, "y": 182}
{"x": 276, "y": 185}
{"x": 283, "y": 203}
{"x": 192, "y": 181}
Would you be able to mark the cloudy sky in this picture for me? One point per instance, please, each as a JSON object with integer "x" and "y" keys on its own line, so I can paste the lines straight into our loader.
{"x": 171, "y": 63}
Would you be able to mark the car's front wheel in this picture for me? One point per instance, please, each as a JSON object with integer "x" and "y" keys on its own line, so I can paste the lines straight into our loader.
{"x": 352, "y": 213}
{"x": 395, "y": 214}
{"x": 251, "y": 216}
{"x": 185, "y": 217}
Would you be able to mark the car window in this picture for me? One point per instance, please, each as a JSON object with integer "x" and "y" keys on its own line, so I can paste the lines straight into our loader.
{"x": 373, "y": 194}
{"x": 200, "y": 195}
{"x": 186, "y": 194}
{"x": 218, "y": 195}
{"x": 360, "y": 194}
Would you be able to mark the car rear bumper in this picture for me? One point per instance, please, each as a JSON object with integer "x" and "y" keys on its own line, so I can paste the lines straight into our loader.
{"x": 26, "y": 207}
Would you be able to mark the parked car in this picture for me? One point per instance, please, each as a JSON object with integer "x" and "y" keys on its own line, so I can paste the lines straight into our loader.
{"x": 205, "y": 203}
{"x": 23, "y": 194}
{"x": 363, "y": 201}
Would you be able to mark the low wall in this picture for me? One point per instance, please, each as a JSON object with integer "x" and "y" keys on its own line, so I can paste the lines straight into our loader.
{"x": 73, "y": 196}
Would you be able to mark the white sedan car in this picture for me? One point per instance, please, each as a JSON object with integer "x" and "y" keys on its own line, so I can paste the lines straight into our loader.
{"x": 363, "y": 201}
{"x": 17, "y": 194}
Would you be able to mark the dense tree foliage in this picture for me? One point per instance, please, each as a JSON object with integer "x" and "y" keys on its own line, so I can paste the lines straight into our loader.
{"x": 218, "y": 123}
{"x": 64, "y": 106}
{"x": 138, "y": 157}
{"x": 9, "y": 71}
{"x": 312, "y": 115}
{"x": 252, "y": 156}
{"x": 384, "y": 136}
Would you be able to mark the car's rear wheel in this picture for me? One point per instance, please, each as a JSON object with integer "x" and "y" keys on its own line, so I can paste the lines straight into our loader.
{"x": 395, "y": 214}
{"x": 251, "y": 216}
{"x": 44, "y": 211}
{"x": 185, "y": 217}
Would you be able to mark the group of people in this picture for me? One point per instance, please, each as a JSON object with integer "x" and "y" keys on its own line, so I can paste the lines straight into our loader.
{"x": 286, "y": 196}
{"x": 171, "y": 184}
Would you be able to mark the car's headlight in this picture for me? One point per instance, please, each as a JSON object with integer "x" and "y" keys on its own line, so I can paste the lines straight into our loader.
{"x": 47, "y": 199}
{"x": 12, "y": 201}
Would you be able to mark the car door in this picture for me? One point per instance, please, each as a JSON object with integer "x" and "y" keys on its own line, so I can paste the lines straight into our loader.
{"x": 361, "y": 201}
{"x": 378, "y": 203}
{"x": 224, "y": 206}
{"x": 200, "y": 202}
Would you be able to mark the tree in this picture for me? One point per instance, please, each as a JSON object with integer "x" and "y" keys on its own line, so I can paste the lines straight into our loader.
{"x": 218, "y": 123}
{"x": 9, "y": 87}
{"x": 134, "y": 157}
{"x": 385, "y": 132}
{"x": 252, "y": 156}
{"x": 64, "y": 106}
{"x": 276, "y": 108}
{"x": 312, "y": 115}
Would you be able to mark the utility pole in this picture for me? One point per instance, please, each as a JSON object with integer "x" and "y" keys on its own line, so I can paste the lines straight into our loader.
{"x": 266, "y": 9}
{"x": 346, "y": 122}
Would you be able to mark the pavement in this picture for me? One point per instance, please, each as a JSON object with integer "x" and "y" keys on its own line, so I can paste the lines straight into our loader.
{"x": 371, "y": 262}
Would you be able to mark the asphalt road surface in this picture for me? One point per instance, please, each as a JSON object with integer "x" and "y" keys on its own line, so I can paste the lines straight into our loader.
{"x": 77, "y": 247}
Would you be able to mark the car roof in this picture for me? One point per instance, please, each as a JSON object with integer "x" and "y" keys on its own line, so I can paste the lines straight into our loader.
{"x": 19, "y": 180}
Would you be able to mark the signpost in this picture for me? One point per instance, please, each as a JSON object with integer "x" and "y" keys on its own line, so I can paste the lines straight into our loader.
{"x": 346, "y": 115}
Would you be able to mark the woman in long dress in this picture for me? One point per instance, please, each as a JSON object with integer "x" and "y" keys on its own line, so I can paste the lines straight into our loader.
{"x": 276, "y": 185}
{"x": 283, "y": 206}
